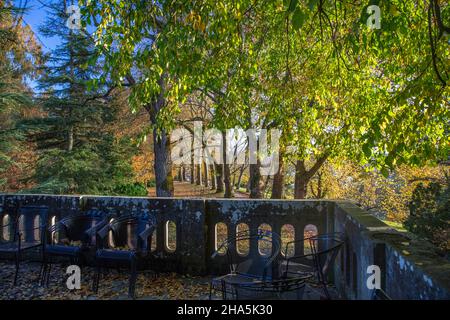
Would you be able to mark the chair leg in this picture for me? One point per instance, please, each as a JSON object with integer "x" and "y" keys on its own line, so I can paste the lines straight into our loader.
{"x": 44, "y": 274}
{"x": 224, "y": 294}
{"x": 210, "y": 290}
{"x": 133, "y": 277}
{"x": 49, "y": 270}
{"x": 118, "y": 268}
{"x": 17, "y": 268}
{"x": 96, "y": 277}
{"x": 43, "y": 270}
{"x": 325, "y": 290}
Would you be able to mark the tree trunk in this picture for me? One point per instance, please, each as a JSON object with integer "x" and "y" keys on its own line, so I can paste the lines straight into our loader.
{"x": 226, "y": 170}
{"x": 219, "y": 177}
{"x": 266, "y": 183}
{"x": 301, "y": 181}
{"x": 192, "y": 165}
{"x": 255, "y": 180}
{"x": 163, "y": 165}
{"x": 180, "y": 174}
{"x": 303, "y": 176}
{"x": 241, "y": 173}
{"x": 70, "y": 138}
{"x": 213, "y": 176}
{"x": 205, "y": 174}
{"x": 278, "y": 181}
{"x": 161, "y": 146}
{"x": 183, "y": 173}
{"x": 198, "y": 174}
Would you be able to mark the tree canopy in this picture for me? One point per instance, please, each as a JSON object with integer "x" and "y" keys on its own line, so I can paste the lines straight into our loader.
{"x": 379, "y": 96}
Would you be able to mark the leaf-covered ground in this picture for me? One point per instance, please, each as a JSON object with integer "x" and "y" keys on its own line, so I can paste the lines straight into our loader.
{"x": 112, "y": 286}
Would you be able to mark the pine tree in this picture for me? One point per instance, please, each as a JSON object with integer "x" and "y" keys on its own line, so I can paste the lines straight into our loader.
{"x": 19, "y": 54}
{"x": 77, "y": 154}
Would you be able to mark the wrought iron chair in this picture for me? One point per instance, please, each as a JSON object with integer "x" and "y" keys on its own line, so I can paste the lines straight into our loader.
{"x": 254, "y": 276}
{"x": 380, "y": 294}
{"x": 318, "y": 263}
{"x": 79, "y": 227}
{"x": 22, "y": 233}
{"x": 131, "y": 230}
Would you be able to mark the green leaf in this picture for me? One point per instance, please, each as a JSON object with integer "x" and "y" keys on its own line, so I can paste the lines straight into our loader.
{"x": 367, "y": 150}
{"x": 312, "y": 4}
{"x": 292, "y": 5}
{"x": 298, "y": 19}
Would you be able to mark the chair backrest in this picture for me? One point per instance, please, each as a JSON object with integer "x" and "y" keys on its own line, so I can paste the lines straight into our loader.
{"x": 254, "y": 264}
{"x": 325, "y": 249}
{"x": 75, "y": 227}
{"x": 131, "y": 231}
{"x": 30, "y": 223}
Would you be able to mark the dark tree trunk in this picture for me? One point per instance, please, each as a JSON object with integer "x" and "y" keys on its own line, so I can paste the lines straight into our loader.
{"x": 192, "y": 165}
{"x": 226, "y": 170}
{"x": 303, "y": 176}
{"x": 205, "y": 174}
{"x": 278, "y": 181}
{"x": 254, "y": 171}
{"x": 70, "y": 138}
{"x": 219, "y": 177}
{"x": 321, "y": 191}
{"x": 227, "y": 181}
{"x": 180, "y": 174}
{"x": 198, "y": 174}
{"x": 213, "y": 176}
{"x": 183, "y": 173}
{"x": 163, "y": 165}
{"x": 255, "y": 181}
{"x": 241, "y": 173}
{"x": 301, "y": 180}
{"x": 266, "y": 184}
{"x": 161, "y": 146}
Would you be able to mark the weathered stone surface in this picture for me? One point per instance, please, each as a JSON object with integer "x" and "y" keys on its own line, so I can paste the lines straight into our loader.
{"x": 410, "y": 268}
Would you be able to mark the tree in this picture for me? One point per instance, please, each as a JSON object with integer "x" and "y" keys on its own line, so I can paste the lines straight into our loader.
{"x": 336, "y": 87}
{"x": 139, "y": 56}
{"x": 430, "y": 214}
{"x": 78, "y": 154}
{"x": 19, "y": 57}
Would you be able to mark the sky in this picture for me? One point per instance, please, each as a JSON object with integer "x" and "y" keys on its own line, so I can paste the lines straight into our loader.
{"x": 34, "y": 17}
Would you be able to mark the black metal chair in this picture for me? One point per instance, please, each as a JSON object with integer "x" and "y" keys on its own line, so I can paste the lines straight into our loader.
{"x": 380, "y": 294}
{"x": 22, "y": 233}
{"x": 71, "y": 238}
{"x": 269, "y": 289}
{"x": 132, "y": 231}
{"x": 256, "y": 275}
{"x": 318, "y": 263}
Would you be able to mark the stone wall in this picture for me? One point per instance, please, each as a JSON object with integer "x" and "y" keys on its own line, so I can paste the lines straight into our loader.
{"x": 410, "y": 268}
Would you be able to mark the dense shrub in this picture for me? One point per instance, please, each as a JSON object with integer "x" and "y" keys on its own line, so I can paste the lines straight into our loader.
{"x": 133, "y": 189}
{"x": 430, "y": 214}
